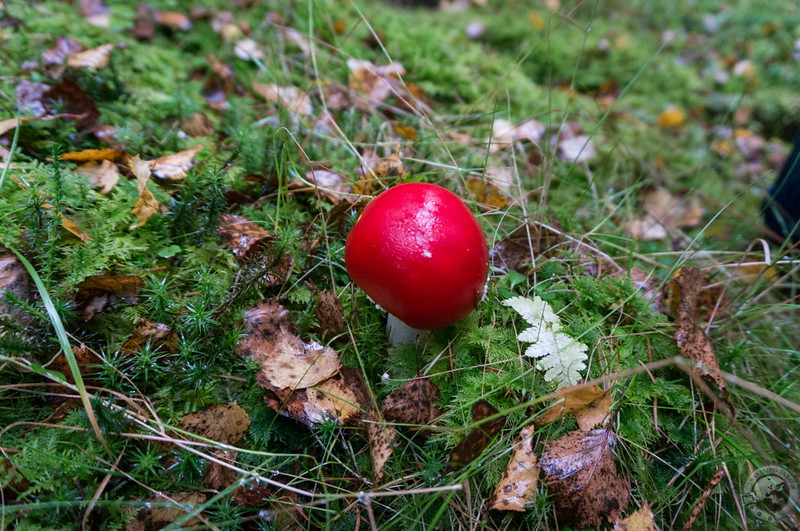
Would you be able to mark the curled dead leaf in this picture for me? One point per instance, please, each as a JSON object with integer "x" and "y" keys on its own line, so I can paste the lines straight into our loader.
{"x": 147, "y": 204}
{"x": 103, "y": 175}
{"x": 146, "y": 332}
{"x": 582, "y": 478}
{"x": 590, "y": 405}
{"x": 174, "y": 166}
{"x": 517, "y": 486}
{"x": 242, "y": 236}
{"x": 98, "y": 292}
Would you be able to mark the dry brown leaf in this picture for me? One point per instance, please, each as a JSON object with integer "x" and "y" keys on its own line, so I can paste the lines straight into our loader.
{"x": 292, "y": 99}
{"x": 197, "y": 124}
{"x": 330, "y": 315}
{"x": 174, "y": 166}
{"x": 69, "y": 98}
{"x": 103, "y": 175}
{"x": 693, "y": 342}
{"x": 517, "y": 486}
{"x": 87, "y": 362}
{"x": 516, "y": 251}
{"x": 414, "y": 404}
{"x": 263, "y": 322}
{"x": 664, "y": 213}
{"x": 96, "y": 12}
{"x": 381, "y": 445}
{"x": 224, "y": 423}
{"x": 479, "y": 437}
{"x": 166, "y": 509}
{"x": 342, "y": 398}
{"x": 101, "y": 291}
{"x": 64, "y": 48}
{"x": 582, "y": 478}
{"x": 92, "y": 59}
{"x": 590, "y": 405}
{"x": 15, "y": 281}
{"x": 242, "y": 236}
{"x": 218, "y": 476}
{"x": 147, "y": 204}
{"x": 73, "y": 228}
{"x": 146, "y": 332}
{"x": 376, "y": 172}
{"x": 641, "y": 520}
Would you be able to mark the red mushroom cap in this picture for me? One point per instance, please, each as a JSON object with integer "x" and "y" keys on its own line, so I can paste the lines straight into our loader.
{"x": 420, "y": 254}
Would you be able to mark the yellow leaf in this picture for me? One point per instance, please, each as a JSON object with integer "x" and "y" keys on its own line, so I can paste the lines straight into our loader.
{"x": 73, "y": 228}
{"x": 590, "y": 405}
{"x": 92, "y": 59}
{"x": 671, "y": 118}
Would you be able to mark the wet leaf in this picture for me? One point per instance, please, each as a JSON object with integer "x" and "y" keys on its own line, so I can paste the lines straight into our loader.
{"x": 516, "y": 251}
{"x": 292, "y": 99}
{"x": 147, "y": 332}
{"x": 590, "y": 405}
{"x": 242, "y": 236}
{"x": 147, "y": 204}
{"x": 582, "y": 478}
{"x": 693, "y": 342}
{"x": 342, "y": 398}
{"x": 103, "y": 174}
{"x": 219, "y": 476}
{"x": 414, "y": 404}
{"x": 478, "y": 439}
{"x": 330, "y": 315}
{"x": 174, "y": 166}
{"x": 664, "y": 213}
{"x": 381, "y": 445}
{"x": 98, "y": 292}
{"x": 224, "y": 423}
{"x": 641, "y": 520}
{"x": 93, "y": 59}
{"x": 517, "y": 486}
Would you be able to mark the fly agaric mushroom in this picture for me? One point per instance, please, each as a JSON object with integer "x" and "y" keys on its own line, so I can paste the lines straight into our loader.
{"x": 419, "y": 253}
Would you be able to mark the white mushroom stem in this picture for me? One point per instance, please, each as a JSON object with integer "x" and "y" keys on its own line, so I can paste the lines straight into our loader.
{"x": 400, "y": 333}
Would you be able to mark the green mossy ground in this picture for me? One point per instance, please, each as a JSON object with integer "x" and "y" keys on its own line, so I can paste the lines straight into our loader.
{"x": 517, "y": 70}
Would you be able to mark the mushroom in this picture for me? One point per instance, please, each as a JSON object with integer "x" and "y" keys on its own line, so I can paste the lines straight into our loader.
{"x": 418, "y": 252}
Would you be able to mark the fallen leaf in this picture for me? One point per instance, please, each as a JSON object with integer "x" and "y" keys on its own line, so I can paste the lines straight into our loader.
{"x": 479, "y": 437}
{"x": 292, "y": 99}
{"x": 641, "y": 520}
{"x": 664, "y": 213}
{"x": 165, "y": 509}
{"x": 69, "y": 98}
{"x": 174, "y": 20}
{"x": 517, "y": 251}
{"x": 147, "y": 204}
{"x": 96, "y": 12}
{"x": 98, "y": 292}
{"x": 103, "y": 174}
{"x": 158, "y": 336}
{"x": 87, "y": 364}
{"x": 487, "y": 194}
{"x": 381, "y": 445}
{"x": 671, "y": 118}
{"x": 64, "y": 48}
{"x": 218, "y": 476}
{"x": 504, "y": 133}
{"x": 517, "y": 486}
{"x": 590, "y": 405}
{"x": 693, "y": 342}
{"x": 583, "y": 480}
{"x": 242, "y": 236}
{"x": 342, "y": 398}
{"x": 197, "y": 125}
{"x": 224, "y": 423}
{"x": 144, "y": 24}
{"x": 174, "y": 166}
{"x": 576, "y": 149}
{"x": 330, "y": 184}
{"x": 14, "y": 280}
{"x": 413, "y": 405}
{"x": 376, "y": 173}
{"x": 376, "y": 82}
{"x": 73, "y": 228}
{"x": 248, "y": 49}
{"x": 409, "y": 133}
{"x": 330, "y": 315}
{"x": 92, "y": 59}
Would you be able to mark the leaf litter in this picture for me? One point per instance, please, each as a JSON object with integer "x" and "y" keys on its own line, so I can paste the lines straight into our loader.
{"x": 517, "y": 486}
{"x": 589, "y": 405}
{"x": 479, "y": 437}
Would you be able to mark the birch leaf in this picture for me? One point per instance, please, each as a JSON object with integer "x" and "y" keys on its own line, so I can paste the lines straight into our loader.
{"x": 560, "y": 356}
